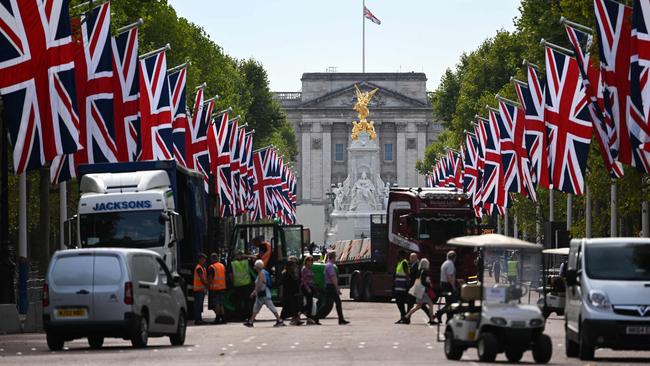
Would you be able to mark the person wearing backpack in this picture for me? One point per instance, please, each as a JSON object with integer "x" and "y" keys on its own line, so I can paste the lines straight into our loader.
{"x": 262, "y": 295}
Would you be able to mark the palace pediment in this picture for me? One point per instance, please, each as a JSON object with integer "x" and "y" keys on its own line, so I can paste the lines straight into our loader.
{"x": 345, "y": 98}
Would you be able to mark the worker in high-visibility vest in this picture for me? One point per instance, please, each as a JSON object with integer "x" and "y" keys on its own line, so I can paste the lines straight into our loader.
{"x": 513, "y": 269}
{"x": 242, "y": 283}
{"x": 199, "y": 285}
{"x": 401, "y": 285}
{"x": 216, "y": 288}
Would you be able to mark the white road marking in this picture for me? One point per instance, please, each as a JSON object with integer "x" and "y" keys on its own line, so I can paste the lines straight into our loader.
{"x": 258, "y": 347}
{"x": 427, "y": 344}
{"x": 197, "y": 345}
{"x": 362, "y": 342}
{"x": 328, "y": 343}
{"x": 263, "y": 344}
{"x": 66, "y": 348}
{"x": 326, "y": 346}
{"x": 234, "y": 352}
{"x": 429, "y": 347}
{"x": 395, "y": 347}
{"x": 360, "y": 346}
{"x": 19, "y": 353}
{"x": 224, "y": 348}
{"x": 230, "y": 344}
{"x": 292, "y": 347}
{"x": 33, "y": 349}
{"x": 395, "y": 343}
{"x": 247, "y": 340}
{"x": 155, "y": 349}
{"x": 297, "y": 343}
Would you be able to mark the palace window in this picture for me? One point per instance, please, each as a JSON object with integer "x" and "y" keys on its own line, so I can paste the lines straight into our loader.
{"x": 339, "y": 152}
{"x": 388, "y": 152}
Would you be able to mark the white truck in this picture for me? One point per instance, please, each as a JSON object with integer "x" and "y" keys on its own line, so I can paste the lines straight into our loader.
{"x": 155, "y": 205}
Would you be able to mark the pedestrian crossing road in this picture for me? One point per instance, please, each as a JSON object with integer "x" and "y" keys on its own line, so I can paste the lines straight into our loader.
{"x": 370, "y": 338}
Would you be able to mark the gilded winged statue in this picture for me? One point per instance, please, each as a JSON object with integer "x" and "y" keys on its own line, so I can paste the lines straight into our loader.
{"x": 361, "y": 106}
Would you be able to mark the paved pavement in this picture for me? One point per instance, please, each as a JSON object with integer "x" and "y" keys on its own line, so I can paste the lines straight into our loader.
{"x": 371, "y": 338}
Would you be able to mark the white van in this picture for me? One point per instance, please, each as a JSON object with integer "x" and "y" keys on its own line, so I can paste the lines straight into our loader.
{"x": 607, "y": 296}
{"x": 111, "y": 292}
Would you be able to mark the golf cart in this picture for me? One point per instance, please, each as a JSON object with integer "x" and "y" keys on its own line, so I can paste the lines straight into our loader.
{"x": 493, "y": 316}
{"x": 555, "y": 287}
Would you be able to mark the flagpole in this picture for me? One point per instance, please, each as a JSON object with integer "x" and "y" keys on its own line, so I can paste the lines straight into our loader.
{"x": 363, "y": 41}
{"x": 587, "y": 212}
{"x": 613, "y": 207}
{"x": 63, "y": 212}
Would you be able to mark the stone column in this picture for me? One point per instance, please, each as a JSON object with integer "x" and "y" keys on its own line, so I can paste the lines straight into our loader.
{"x": 316, "y": 162}
{"x": 305, "y": 160}
{"x": 422, "y": 145}
{"x": 401, "y": 153}
{"x": 327, "y": 154}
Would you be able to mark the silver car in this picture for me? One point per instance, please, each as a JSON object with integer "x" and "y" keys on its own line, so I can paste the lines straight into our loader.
{"x": 112, "y": 292}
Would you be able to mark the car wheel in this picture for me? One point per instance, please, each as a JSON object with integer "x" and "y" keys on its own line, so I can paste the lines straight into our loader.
{"x": 54, "y": 342}
{"x": 542, "y": 349}
{"x": 514, "y": 354}
{"x": 95, "y": 342}
{"x": 141, "y": 336}
{"x": 178, "y": 338}
{"x": 586, "y": 350}
{"x": 572, "y": 348}
{"x": 487, "y": 347}
{"x": 452, "y": 350}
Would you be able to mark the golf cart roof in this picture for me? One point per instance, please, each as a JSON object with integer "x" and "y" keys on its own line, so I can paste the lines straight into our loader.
{"x": 492, "y": 241}
{"x": 556, "y": 251}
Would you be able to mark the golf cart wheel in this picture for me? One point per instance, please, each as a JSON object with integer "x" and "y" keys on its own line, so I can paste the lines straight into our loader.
{"x": 487, "y": 347}
{"x": 452, "y": 350}
{"x": 54, "y": 341}
{"x": 572, "y": 348}
{"x": 542, "y": 349}
{"x": 586, "y": 350}
{"x": 514, "y": 354}
{"x": 95, "y": 342}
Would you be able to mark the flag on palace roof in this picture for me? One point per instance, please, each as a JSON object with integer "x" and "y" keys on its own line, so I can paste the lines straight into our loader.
{"x": 368, "y": 15}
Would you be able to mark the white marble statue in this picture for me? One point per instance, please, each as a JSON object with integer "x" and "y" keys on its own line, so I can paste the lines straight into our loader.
{"x": 363, "y": 191}
{"x": 339, "y": 191}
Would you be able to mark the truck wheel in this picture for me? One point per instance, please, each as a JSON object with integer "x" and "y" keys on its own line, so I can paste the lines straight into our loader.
{"x": 354, "y": 287}
{"x": 586, "y": 350}
{"x": 514, "y": 354}
{"x": 452, "y": 350}
{"x": 54, "y": 341}
{"x": 487, "y": 347}
{"x": 324, "y": 311}
{"x": 141, "y": 336}
{"x": 572, "y": 348}
{"x": 542, "y": 349}
{"x": 95, "y": 342}
{"x": 367, "y": 289}
{"x": 178, "y": 338}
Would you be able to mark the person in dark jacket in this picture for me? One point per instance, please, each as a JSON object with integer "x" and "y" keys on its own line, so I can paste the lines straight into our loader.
{"x": 414, "y": 273}
{"x": 290, "y": 292}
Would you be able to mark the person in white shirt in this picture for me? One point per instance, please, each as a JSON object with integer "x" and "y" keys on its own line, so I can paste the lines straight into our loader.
{"x": 448, "y": 283}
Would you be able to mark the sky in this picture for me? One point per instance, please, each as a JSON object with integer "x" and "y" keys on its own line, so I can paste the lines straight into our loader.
{"x": 290, "y": 37}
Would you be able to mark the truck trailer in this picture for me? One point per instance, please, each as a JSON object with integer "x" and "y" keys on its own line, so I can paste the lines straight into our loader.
{"x": 417, "y": 220}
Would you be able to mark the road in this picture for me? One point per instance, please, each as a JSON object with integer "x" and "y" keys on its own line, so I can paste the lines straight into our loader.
{"x": 371, "y": 338}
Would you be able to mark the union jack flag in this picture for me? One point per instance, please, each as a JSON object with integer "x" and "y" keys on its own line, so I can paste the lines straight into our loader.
{"x": 285, "y": 209}
{"x": 614, "y": 34}
{"x": 639, "y": 108}
{"x": 428, "y": 180}
{"x": 493, "y": 179}
{"x": 480, "y": 166}
{"x": 196, "y": 150}
{"x": 180, "y": 124}
{"x": 235, "y": 152}
{"x": 246, "y": 155}
{"x": 532, "y": 98}
{"x": 591, "y": 79}
{"x": 470, "y": 171}
{"x": 262, "y": 198}
{"x": 155, "y": 109}
{"x": 37, "y": 81}
{"x": 513, "y": 151}
{"x": 219, "y": 135}
{"x": 126, "y": 91}
{"x": 568, "y": 123}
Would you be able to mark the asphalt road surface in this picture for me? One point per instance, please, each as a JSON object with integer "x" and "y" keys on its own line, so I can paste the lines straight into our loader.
{"x": 370, "y": 338}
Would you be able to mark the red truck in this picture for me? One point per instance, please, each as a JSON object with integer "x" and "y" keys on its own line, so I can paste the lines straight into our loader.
{"x": 419, "y": 220}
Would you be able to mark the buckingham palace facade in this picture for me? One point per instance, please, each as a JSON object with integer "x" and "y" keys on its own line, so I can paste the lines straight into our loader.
{"x": 322, "y": 116}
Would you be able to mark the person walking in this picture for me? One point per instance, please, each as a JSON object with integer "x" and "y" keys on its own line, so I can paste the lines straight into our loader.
{"x": 414, "y": 274}
{"x": 332, "y": 291}
{"x": 448, "y": 284}
{"x": 242, "y": 283}
{"x": 199, "y": 284}
{"x": 401, "y": 285}
{"x": 217, "y": 288}
{"x": 496, "y": 270}
{"x": 262, "y": 295}
{"x": 290, "y": 292}
{"x": 308, "y": 288}
{"x": 421, "y": 290}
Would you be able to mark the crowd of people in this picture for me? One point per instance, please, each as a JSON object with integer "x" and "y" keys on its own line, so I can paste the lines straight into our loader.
{"x": 251, "y": 287}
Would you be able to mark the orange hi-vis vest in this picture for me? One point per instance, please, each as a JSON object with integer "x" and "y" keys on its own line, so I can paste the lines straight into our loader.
{"x": 218, "y": 280}
{"x": 197, "y": 284}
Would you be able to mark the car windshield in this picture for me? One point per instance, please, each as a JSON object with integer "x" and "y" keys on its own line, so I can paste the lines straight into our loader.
{"x": 130, "y": 229}
{"x": 439, "y": 228}
{"x": 510, "y": 275}
{"x": 622, "y": 262}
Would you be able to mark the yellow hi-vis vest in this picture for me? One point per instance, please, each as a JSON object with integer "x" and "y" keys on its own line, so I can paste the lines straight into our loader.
{"x": 513, "y": 268}
{"x": 240, "y": 274}
{"x": 401, "y": 282}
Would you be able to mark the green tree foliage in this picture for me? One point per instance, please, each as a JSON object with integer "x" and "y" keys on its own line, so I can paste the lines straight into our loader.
{"x": 465, "y": 90}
